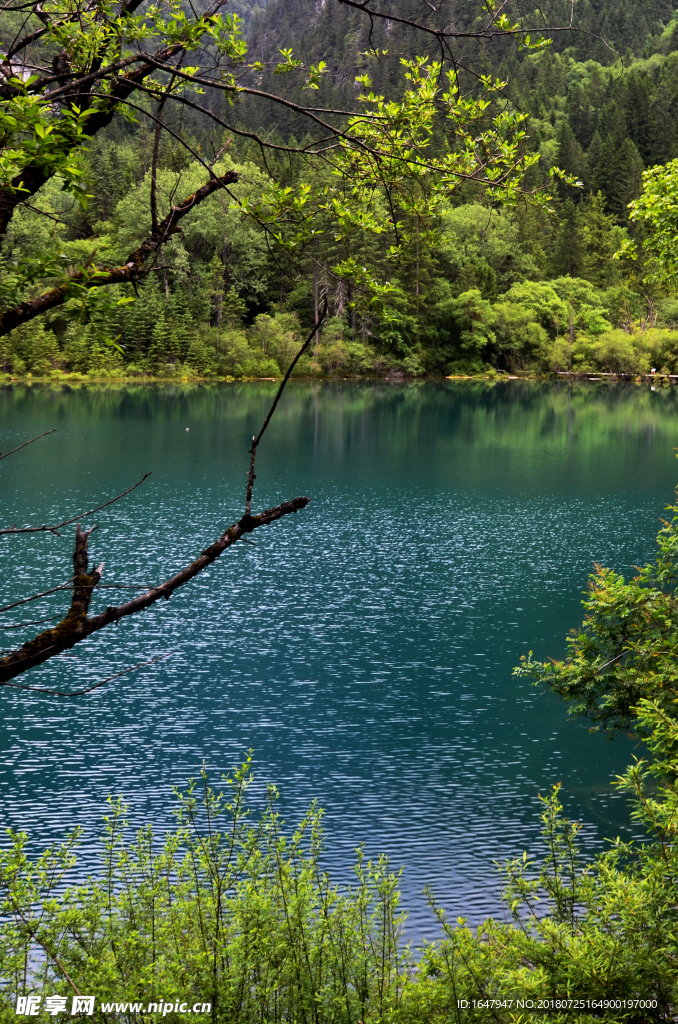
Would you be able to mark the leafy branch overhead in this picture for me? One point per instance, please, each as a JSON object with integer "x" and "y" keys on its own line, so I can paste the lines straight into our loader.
{"x": 72, "y": 68}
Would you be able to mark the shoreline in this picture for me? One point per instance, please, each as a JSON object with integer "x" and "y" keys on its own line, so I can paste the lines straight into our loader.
{"x": 494, "y": 377}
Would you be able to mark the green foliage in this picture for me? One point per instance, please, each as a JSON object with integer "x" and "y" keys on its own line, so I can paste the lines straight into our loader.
{"x": 521, "y": 340}
{"x": 469, "y": 285}
{"x": 234, "y": 913}
{"x": 627, "y": 647}
{"x": 228, "y": 910}
{"x": 481, "y": 248}
{"x": 474, "y": 319}
{"x": 657, "y": 210}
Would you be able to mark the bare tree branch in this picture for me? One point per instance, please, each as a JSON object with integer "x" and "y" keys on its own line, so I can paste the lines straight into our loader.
{"x": 67, "y": 522}
{"x": 76, "y": 626}
{"x": 488, "y": 33}
{"x": 34, "y": 597}
{"x": 255, "y": 440}
{"x": 81, "y": 693}
{"x": 33, "y": 622}
{"x": 26, "y": 443}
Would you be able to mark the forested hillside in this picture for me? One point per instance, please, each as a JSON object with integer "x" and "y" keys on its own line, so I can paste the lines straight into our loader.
{"x": 477, "y": 289}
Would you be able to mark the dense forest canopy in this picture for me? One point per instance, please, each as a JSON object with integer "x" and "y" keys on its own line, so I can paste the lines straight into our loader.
{"x": 473, "y": 286}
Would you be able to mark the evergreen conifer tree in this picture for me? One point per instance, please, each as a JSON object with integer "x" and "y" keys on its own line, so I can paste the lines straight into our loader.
{"x": 138, "y": 320}
{"x": 637, "y": 113}
{"x": 601, "y": 238}
{"x": 159, "y": 350}
{"x": 571, "y": 158}
{"x": 181, "y": 331}
{"x": 581, "y": 117}
{"x": 568, "y": 256}
{"x": 626, "y": 185}
{"x": 594, "y": 159}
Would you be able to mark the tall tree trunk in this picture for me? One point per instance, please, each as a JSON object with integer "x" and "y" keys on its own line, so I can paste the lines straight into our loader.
{"x": 316, "y": 339}
{"x": 154, "y": 182}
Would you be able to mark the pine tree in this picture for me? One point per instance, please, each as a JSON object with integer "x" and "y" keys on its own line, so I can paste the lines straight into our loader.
{"x": 234, "y": 309}
{"x": 663, "y": 127}
{"x": 568, "y": 256}
{"x": 601, "y": 238}
{"x": 594, "y": 159}
{"x": 629, "y": 169}
{"x": 636, "y": 102}
{"x": 603, "y": 180}
{"x": 180, "y": 335}
{"x": 581, "y": 117}
{"x": 138, "y": 320}
{"x": 160, "y": 344}
{"x": 571, "y": 158}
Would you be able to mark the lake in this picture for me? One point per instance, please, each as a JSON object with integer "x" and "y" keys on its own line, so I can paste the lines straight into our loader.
{"x": 363, "y": 648}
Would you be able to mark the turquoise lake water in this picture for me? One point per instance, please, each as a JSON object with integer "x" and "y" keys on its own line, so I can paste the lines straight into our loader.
{"x": 363, "y": 648}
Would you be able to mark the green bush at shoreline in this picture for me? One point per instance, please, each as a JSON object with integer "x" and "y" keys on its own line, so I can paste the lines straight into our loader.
{"x": 529, "y": 349}
{"x": 234, "y": 910}
{"x": 533, "y": 328}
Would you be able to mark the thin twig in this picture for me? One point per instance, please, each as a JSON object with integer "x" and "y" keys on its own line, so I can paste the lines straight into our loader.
{"x": 7, "y": 454}
{"x": 613, "y": 660}
{"x": 251, "y": 477}
{"x": 80, "y": 693}
{"x": 25, "y": 600}
{"x": 33, "y": 622}
{"x": 67, "y": 522}
{"x": 124, "y": 586}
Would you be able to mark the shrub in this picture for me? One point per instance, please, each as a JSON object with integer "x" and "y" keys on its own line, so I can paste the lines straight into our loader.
{"x": 663, "y": 348}
{"x": 473, "y": 321}
{"x": 520, "y": 340}
{"x": 229, "y": 911}
{"x": 275, "y": 337}
{"x": 543, "y": 302}
{"x": 233, "y": 351}
{"x": 339, "y": 355}
{"x": 618, "y": 352}
{"x": 202, "y": 357}
{"x": 235, "y": 910}
{"x": 237, "y": 913}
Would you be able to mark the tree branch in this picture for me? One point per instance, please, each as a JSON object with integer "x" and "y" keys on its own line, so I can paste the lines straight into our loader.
{"x": 81, "y": 693}
{"x": 35, "y": 597}
{"x": 26, "y": 443}
{"x": 33, "y": 176}
{"x": 128, "y": 272}
{"x": 486, "y": 33}
{"x": 67, "y": 522}
{"x": 76, "y": 626}
{"x": 251, "y": 477}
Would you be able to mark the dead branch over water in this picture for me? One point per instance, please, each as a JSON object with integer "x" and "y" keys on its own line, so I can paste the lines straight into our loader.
{"x": 78, "y": 624}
